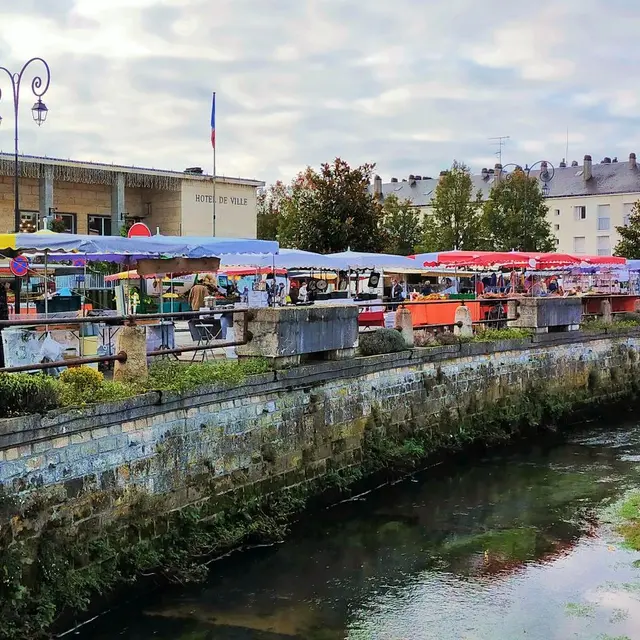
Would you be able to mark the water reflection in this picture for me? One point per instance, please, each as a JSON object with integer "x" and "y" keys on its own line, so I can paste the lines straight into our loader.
{"x": 509, "y": 547}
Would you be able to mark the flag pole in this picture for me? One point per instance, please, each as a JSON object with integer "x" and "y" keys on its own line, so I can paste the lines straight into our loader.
{"x": 213, "y": 144}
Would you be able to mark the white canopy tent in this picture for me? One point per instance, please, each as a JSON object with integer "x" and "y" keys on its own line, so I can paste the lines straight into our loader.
{"x": 285, "y": 259}
{"x": 358, "y": 261}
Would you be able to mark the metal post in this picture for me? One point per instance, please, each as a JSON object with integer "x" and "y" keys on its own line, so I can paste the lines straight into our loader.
{"x": 39, "y": 86}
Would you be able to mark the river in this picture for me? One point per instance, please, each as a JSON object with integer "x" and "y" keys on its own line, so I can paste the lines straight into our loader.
{"x": 511, "y": 546}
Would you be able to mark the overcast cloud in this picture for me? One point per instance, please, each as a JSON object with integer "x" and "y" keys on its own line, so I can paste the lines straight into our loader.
{"x": 408, "y": 84}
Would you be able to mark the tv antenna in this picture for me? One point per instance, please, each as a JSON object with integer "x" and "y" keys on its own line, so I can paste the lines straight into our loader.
{"x": 500, "y": 141}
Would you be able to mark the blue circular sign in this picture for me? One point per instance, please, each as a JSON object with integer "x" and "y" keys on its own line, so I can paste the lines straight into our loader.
{"x": 19, "y": 266}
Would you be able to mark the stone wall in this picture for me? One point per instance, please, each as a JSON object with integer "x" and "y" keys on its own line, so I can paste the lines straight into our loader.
{"x": 85, "y": 473}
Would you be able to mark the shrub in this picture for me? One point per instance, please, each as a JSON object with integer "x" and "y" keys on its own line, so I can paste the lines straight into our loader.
{"x": 493, "y": 335}
{"x": 180, "y": 376}
{"x": 629, "y": 317}
{"x": 82, "y": 378}
{"x": 381, "y": 341}
{"x": 22, "y": 393}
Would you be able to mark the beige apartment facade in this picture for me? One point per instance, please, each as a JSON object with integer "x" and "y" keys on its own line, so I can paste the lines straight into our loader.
{"x": 98, "y": 199}
{"x": 586, "y": 201}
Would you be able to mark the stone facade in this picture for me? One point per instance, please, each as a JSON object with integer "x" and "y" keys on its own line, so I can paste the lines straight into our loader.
{"x": 175, "y": 202}
{"x": 318, "y": 409}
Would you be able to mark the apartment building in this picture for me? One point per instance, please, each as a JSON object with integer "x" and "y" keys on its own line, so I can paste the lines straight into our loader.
{"x": 586, "y": 201}
{"x": 95, "y": 198}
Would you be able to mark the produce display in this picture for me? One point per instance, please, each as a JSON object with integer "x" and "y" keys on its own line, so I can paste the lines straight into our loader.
{"x": 418, "y": 297}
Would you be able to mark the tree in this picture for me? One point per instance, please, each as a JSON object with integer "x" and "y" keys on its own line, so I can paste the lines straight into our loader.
{"x": 332, "y": 210}
{"x": 515, "y": 215}
{"x": 629, "y": 244}
{"x": 270, "y": 204}
{"x": 455, "y": 220}
{"x": 402, "y": 226}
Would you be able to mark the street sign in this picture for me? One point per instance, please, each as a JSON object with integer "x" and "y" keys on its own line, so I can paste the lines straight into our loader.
{"x": 19, "y": 266}
{"x": 78, "y": 262}
{"x": 139, "y": 230}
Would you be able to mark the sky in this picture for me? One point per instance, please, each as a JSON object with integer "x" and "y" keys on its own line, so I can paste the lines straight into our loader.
{"x": 409, "y": 85}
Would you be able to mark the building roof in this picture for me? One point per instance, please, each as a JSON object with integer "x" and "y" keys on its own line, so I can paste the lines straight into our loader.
{"x": 102, "y": 173}
{"x": 607, "y": 178}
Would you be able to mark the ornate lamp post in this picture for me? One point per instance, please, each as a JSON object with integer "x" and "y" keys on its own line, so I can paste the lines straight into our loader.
{"x": 547, "y": 171}
{"x": 39, "y": 86}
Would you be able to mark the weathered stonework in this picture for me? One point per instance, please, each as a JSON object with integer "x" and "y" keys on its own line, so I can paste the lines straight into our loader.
{"x": 84, "y": 474}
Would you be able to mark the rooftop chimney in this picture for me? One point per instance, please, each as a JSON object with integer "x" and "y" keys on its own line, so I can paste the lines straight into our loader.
{"x": 606, "y": 160}
{"x": 411, "y": 177}
{"x": 574, "y": 163}
{"x": 632, "y": 161}
{"x": 195, "y": 170}
{"x": 498, "y": 171}
{"x": 615, "y": 160}
{"x": 587, "y": 172}
{"x": 394, "y": 179}
{"x": 418, "y": 177}
{"x": 377, "y": 187}
{"x": 563, "y": 164}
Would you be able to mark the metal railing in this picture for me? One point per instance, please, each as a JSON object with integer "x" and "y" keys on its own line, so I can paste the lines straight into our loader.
{"x": 128, "y": 320}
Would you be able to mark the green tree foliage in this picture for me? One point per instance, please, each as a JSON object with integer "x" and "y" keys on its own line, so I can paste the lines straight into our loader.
{"x": 402, "y": 226}
{"x": 629, "y": 244}
{"x": 515, "y": 215}
{"x": 455, "y": 221}
{"x": 270, "y": 204}
{"x": 332, "y": 210}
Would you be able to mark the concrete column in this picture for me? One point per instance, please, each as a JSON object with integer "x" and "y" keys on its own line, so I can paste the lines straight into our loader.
{"x": 117, "y": 204}
{"x": 133, "y": 341}
{"x": 404, "y": 323}
{"x": 46, "y": 193}
{"x": 463, "y": 316}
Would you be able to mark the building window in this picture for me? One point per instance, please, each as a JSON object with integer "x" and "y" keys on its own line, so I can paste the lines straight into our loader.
{"x": 580, "y": 212}
{"x": 99, "y": 225}
{"x": 64, "y": 223}
{"x": 556, "y": 227}
{"x": 557, "y": 241}
{"x": 604, "y": 219}
{"x": 625, "y": 221}
{"x": 603, "y": 245}
{"x": 557, "y": 212}
{"x": 28, "y": 221}
{"x": 579, "y": 244}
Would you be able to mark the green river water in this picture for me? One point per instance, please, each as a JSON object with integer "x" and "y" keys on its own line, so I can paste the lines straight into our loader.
{"x": 515, "y": 545}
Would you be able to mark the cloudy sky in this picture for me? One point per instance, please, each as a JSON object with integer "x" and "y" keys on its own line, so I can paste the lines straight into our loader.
{"x": 407, "y": 84}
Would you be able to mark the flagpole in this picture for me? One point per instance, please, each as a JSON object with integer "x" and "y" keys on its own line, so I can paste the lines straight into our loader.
{"x": 214, "y": 191}
{"x": 213, "y": 144}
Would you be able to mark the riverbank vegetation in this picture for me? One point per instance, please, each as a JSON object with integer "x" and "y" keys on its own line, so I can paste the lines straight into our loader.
{"x": 626, "y": 519}
{"x": 23, "y": 393}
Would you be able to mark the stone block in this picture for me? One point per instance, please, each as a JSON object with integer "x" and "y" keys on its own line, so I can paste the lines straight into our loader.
{"x": 542, "y": 313}
{"x": 294, "y": 331}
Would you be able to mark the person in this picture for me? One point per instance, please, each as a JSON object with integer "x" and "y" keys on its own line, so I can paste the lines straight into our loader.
{"x": 303, "y": 293}
{"x": 197, "y": 295}
{"x": 426, "y": 288}
{"x": 479, "y": 288}
{"x": 294, "y": 292}
{"x": 397, "y": 294}
{"x": 449, "y": 287}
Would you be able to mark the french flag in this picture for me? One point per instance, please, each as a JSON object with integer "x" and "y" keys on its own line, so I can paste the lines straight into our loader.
{"x": 213, "y": 121}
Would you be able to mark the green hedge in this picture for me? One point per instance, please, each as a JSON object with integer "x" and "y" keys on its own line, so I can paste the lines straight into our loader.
{"x": 22, "y": 393}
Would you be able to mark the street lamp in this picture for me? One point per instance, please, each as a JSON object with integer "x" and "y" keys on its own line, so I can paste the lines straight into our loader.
{"x": 39, "y": 86}
{"x": 39, "y": 111}
{"x": 547, "y": 172}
